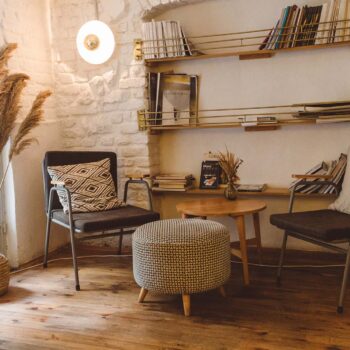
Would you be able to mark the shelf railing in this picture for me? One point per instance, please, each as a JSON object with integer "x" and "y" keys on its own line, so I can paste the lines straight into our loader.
{"x": 250, "y": 118}
{"x": 246, "y": 44}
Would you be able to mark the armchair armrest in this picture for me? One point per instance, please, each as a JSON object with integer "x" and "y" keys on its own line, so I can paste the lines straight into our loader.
{"x": 310, "y": 182}
{"x": 138, "y": 179}
{"x": 58, "y": 183}
{"x": 315, "y": 176}
{"x": 59, "y": 186}
{"x": 137, "y": 176}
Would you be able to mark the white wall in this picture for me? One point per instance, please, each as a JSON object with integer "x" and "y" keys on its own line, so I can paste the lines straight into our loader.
{"x": 271, "y": 156}
{"x": 95, "y": 107}
{"x": 27, "y": 24}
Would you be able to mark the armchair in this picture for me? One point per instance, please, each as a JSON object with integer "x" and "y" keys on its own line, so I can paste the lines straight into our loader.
{"x": 321, "y": 227}
{"x": 100, "y": 224}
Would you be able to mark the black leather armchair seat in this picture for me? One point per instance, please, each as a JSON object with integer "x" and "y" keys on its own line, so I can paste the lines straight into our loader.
{"x": 326, "y": 225}
{"x": 123, "y": 217}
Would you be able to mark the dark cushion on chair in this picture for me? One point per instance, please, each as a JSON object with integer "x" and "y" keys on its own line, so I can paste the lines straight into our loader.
{"x": 108, "y": 220}
{"x": 327, "y": 225}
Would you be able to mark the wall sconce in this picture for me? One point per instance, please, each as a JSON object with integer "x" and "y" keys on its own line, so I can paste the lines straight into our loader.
{"x": 95, "y": 41}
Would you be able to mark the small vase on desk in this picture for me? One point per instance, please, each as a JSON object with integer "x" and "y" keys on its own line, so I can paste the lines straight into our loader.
{"x": 230, "y": 191}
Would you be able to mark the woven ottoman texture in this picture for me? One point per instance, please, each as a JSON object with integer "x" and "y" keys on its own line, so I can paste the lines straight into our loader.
{"x": 181, "y": 256}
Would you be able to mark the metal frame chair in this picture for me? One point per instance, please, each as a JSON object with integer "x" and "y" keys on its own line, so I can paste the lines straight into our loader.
{"x": 53, "y": 206}
{"x": 316, "y": 241}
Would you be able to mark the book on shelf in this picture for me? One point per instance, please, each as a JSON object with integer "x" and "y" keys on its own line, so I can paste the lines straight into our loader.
{"x": 210, "y": 174}
{"x": 310, "y": 25}
{"x": 325, "y": 111}
{"x": 163, "y": 39}
{"x": 251, "y": 187}
{"x": 172, "y": 182}
{"x": 172, "y": 98}
{"x": 335, "y": 169}
{"x": 257, "y": 121}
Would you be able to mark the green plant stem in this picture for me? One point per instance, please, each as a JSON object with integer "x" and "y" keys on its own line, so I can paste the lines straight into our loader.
{"x": 4, "y": 175}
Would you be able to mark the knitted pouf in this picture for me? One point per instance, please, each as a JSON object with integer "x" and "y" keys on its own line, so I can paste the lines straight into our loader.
{"x": 181, "y": 256}
{"x": 4, "y": 274}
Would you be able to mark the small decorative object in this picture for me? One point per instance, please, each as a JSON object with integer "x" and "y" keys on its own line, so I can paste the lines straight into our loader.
{"x": 229, "y": 164}
{"x": 4, "y": 275}
{"x": 230, "y": 191}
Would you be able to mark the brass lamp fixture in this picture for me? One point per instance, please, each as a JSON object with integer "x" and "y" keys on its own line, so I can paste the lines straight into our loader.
{"x": 95, "y": 41}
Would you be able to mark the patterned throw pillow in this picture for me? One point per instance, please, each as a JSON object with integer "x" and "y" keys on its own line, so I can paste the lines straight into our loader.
{"x": 90, "y": 184}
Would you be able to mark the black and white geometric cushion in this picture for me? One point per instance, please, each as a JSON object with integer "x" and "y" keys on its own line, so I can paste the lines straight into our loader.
{"x": 90, "y": 184}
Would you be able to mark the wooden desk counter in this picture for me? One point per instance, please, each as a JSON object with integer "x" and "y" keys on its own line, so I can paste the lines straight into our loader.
{"x": 268, "y": 192}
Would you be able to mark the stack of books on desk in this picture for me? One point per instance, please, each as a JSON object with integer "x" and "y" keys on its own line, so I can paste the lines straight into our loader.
{"x": 173, "y": 182}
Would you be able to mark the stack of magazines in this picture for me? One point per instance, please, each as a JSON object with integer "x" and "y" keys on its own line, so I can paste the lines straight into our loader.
{"x": 173, "y": 182}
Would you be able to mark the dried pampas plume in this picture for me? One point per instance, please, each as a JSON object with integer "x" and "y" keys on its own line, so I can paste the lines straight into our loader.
{"x": 10, "y": 93}
{"x": 229, "y": 164}
{"x": 5, "y": 55}
{"x": 11, "y": 87}
{"x": 32, "y": 120}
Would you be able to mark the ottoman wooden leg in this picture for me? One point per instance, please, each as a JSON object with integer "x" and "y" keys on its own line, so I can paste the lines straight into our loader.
{"x": 186, "y": 301}
{"x": 222, "y": 291}
{"x": 142, "y": 294}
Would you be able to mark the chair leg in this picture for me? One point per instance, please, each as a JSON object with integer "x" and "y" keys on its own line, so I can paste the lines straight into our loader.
{"x": 340, "y": 308}
{"x": 142, "y": 295}
{"x": 48, "y": 227}
{"x": 283, "y": 251}
{"x": 47, "y": 239}
{"x": 120, "y": 242}
{"x": 75, "y": 264}
{"x": 186, "y": 301}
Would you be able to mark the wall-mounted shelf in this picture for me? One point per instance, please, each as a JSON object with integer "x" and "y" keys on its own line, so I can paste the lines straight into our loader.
{"x": 245, "y": 45}
{"x": 294, "y": 114}
{"x": 268, "y": 192}
{"x": 246, "y": 55}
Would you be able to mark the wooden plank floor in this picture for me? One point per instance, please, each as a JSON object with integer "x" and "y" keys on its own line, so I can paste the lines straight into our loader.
{"x": 43, "y": 311}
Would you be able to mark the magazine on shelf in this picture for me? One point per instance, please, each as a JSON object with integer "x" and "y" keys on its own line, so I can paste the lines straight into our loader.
{"x": 172, "y": 99}
{"x": 210, "y": 174}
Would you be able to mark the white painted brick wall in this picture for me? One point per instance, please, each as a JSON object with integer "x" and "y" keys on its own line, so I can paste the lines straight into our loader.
{"x": 97, "y": 105}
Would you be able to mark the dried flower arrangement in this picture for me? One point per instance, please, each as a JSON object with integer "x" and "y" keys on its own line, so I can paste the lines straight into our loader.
{"x": 229, "y": 164}
{"x": 11, "y": 87}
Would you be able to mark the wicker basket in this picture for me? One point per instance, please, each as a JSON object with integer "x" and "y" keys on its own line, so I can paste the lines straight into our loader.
{"x": 4, "y": 275}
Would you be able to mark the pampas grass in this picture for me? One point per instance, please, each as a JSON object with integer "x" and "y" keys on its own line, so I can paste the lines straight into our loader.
{"x": 5, "y": 54}
{"x": 229, "y": 164}
{"x": 11, "y": 87}
{"x": 10, "y": 93}
{"x": 32, "y": 120}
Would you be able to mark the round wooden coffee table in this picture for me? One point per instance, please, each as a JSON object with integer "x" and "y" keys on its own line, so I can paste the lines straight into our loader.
{"x": 236, "y": 209}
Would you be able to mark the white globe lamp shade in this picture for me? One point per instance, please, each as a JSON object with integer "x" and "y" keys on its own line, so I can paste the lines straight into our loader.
{"x": 95, "y": 42}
